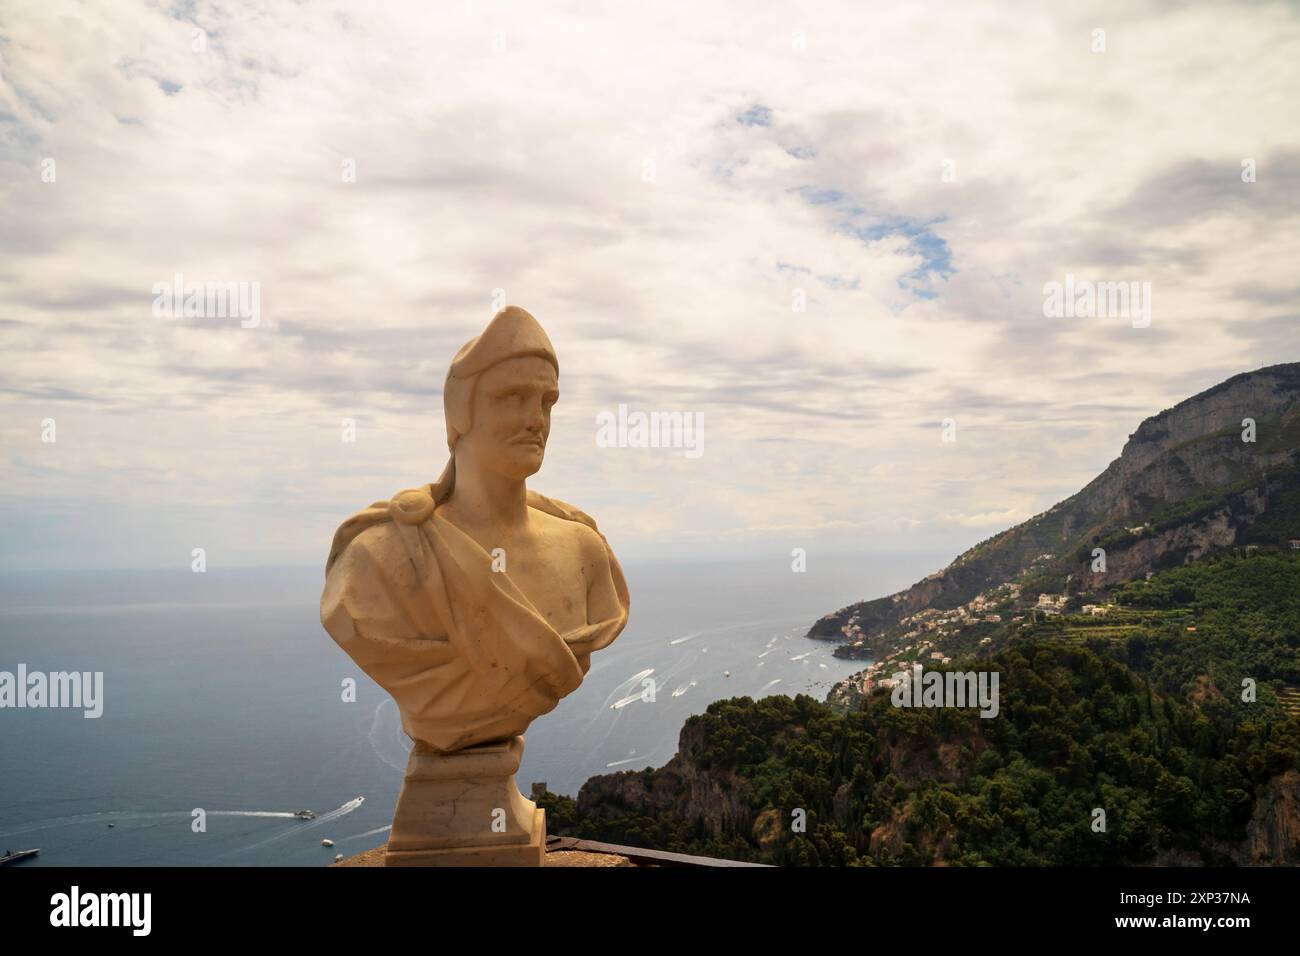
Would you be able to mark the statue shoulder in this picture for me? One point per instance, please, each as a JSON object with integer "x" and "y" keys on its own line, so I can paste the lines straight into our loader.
{"x": 376, "y": 529}
{"x": 561, "y": 509}
{"x": 581, "y": 525}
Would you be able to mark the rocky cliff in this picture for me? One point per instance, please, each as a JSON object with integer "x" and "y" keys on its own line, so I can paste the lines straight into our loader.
{"x": 1187, "y": 482}
{"x": 680, "y": 790}
{"x": 1273, "y": 836}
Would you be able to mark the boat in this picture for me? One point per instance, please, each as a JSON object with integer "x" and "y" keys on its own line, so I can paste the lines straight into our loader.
{"x": 13, "y": 856}
{"x": 304, "y": 814}
{"x": 326, "y": 842}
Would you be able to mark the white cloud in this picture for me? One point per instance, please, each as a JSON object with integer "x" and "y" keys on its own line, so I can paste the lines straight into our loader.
{"x": 523, "y": 170}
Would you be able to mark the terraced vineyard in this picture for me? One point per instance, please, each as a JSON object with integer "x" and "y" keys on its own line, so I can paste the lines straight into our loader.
{"x": 1119, "y": 625}
{"x": 1289, "y": 698}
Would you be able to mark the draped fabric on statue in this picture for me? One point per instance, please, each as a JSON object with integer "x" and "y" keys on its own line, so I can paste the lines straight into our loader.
{"x": 465, "y": 654}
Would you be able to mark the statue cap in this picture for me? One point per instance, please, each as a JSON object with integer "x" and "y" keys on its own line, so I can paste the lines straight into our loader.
{"x": 512, "y": 333}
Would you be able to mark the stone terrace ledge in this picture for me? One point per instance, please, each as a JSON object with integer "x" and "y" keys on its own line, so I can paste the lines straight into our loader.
{"x": 569, "y": 851}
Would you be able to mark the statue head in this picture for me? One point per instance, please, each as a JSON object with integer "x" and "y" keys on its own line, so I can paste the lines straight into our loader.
{"x": 498, "y": 397}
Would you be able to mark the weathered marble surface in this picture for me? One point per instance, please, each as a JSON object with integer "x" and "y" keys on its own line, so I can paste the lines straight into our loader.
{"x": 477, "y": 603}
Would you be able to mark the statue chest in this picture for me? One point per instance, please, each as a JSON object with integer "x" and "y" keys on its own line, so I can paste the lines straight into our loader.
{"x": 553, "y": 580}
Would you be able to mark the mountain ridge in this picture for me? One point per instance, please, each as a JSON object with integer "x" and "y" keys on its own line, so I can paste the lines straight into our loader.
{"x": 1186, "y": 483}
{"x": 1171, "y": 700}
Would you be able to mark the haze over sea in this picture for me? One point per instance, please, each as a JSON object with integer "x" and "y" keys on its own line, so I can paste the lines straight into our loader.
{"x": 223, "y": 692}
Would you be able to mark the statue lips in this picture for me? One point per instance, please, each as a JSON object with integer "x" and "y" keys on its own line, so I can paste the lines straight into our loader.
{"x": 534, "y": 440}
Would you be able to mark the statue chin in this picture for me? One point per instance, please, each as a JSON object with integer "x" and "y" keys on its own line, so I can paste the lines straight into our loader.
{"x": 519, "y": 462}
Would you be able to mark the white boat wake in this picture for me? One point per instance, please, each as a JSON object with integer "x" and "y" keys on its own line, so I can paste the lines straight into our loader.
{"x": 334, "y": 814}
{"x": 621, "y": 690}
{"x": 731, "y": 627}
{"x": 619, "y": 763}
{"x": 290, "y": 832}
{"x": 368, "y": 833}
{"x": 386, "y": 738}
{"x": 99, "y": 817}
{"x": 115, "y": 816}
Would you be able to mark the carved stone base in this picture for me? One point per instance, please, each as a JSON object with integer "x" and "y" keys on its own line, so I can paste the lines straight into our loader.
{"x": 464, "y": 809}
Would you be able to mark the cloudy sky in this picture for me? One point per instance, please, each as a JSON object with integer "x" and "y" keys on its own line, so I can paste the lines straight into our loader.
{"x": 660, "y": 184}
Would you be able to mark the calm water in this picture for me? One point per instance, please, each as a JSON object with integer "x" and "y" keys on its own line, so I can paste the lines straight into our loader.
{"x": 222, "y": 692}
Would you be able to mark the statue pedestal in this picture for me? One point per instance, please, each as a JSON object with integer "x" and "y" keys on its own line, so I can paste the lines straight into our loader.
{"x": 464, "y": 809}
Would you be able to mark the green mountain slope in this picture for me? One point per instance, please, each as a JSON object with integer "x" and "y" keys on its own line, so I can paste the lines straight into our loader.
{"x": 1185, "y": 485}
{"x": 1146, "y": 722}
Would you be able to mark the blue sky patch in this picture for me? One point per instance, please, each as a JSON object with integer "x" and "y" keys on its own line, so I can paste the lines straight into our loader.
{"x": 922, "y": 240}
{"x": 756, "y": 115}
{"x": 936, "y": 257}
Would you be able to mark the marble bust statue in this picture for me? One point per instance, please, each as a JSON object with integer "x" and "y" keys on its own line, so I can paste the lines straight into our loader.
{"x": 477, "y": 603}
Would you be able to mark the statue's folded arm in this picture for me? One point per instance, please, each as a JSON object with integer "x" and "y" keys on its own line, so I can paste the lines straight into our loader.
{"x": 373, "y": 604}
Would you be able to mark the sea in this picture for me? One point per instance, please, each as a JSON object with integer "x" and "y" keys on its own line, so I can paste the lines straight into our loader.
{"x": 225, "y": 708}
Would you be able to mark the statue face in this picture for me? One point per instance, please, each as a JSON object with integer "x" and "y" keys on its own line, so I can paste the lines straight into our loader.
{"x": 512, "y": 416}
